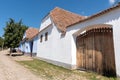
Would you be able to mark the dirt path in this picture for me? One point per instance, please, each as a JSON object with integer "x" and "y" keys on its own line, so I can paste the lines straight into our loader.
{"x": 10, "y": 70}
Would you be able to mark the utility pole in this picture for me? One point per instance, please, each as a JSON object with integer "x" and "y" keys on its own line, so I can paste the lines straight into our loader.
{"x": 3, "y": 45}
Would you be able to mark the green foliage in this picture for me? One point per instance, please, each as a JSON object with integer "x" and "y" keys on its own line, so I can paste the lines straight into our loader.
{"x": 13, "y": 33}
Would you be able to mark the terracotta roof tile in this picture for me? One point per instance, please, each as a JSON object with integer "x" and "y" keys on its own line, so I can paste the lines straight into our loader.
{"x": 63, "y": 18}
{"x": 99, "y": 13}
{"x": 31, "y": 32}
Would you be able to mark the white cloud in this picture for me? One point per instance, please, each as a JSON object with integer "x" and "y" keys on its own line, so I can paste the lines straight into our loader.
{"x": 111, "y": 1}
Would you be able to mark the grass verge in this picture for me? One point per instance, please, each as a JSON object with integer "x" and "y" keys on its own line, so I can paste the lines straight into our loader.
{"x": 51, "y": 72}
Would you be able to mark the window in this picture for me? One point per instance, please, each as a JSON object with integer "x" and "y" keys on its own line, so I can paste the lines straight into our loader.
{"x": 46, "y": 36}
{"x": 41, "y": 37}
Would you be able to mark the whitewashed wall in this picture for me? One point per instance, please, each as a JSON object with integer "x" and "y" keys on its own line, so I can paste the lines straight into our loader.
{"x": 24, "y": 36}
{"x": 112, "y": 18}
{"x": 27, "y": 47}
{"x": 57, "y": 49}
{"x": 45, "y": 22}
{"x": 34, "y": 50}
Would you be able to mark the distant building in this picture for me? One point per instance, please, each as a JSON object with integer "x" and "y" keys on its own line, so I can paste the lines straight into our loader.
{"x": 28, "y": 45}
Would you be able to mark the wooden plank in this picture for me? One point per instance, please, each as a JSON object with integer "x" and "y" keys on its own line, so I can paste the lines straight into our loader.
{"x": 86, "y": 52}
{"x": 90, "y": 51}
{"x": 78, "y": 52}
{"x": 93, "y": 42}
{"x": 109, "y": 54}
{"x": 98, "y": 52}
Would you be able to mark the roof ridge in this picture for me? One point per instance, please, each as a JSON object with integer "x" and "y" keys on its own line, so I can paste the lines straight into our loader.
{"x": 33, "y": 28}
{"x": 67, "y": 11}
{"x": 63, "y": 18}
{"x": 98, "y": 13}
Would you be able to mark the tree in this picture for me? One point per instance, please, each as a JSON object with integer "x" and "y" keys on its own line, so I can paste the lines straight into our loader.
{"x": 13, "y": 33}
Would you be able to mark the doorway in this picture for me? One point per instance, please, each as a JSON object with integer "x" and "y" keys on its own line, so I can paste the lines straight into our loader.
{"x": 95, "y": 50}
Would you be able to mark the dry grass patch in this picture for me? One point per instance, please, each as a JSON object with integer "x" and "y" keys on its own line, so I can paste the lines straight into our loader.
{"x": 51, "y": 72}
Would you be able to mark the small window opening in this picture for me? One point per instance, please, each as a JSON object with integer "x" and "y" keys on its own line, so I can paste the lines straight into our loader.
{"x": 41, "y": 37}
{"x": 46, "y": 36}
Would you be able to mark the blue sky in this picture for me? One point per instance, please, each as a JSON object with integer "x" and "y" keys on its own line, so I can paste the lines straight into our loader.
{"x": 32, "y": 11}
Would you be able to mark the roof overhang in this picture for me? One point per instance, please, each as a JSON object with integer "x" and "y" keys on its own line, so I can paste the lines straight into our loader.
{"x": 91, "y": 27}
{"x": 98, "y": 14}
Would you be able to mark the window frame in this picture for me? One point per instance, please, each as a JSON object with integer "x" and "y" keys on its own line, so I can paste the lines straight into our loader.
{"x": 46, "y": 36}
{"x": 41, "y": 38}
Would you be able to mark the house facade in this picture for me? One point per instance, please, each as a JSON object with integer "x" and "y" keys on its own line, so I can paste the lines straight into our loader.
{"x": 29, "y": 44}
{"x": 77, "y": 42}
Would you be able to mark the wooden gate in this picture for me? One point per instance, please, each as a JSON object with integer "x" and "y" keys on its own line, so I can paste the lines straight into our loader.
{"x": 95, "y": 51}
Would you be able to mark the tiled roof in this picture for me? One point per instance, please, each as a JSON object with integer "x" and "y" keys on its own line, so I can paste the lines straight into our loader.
{"x": 99, "y": 14}
{"x": 31, "y": 32}
{"x": 63, "y": 18}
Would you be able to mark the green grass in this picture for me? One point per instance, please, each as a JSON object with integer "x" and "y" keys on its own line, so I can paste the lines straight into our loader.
{"x": 51, "y": 72}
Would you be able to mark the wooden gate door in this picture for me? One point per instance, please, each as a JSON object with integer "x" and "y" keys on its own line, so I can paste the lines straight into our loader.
{"x": 80, "y": 54}
{"x": 85, "y": 51}
{"x": 95, "y": 51}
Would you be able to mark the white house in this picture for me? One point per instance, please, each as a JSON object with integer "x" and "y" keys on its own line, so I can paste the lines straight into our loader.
{"x": 77, "y": 42}
{"x": 29, "y": 43}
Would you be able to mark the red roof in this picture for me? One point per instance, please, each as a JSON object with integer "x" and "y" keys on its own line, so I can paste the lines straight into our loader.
{"x": 63, "y": 18}
{"x": 31, "y": 32}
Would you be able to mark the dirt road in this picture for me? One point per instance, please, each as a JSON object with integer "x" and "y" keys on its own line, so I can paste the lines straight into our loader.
{"x": 11, "y": 70}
